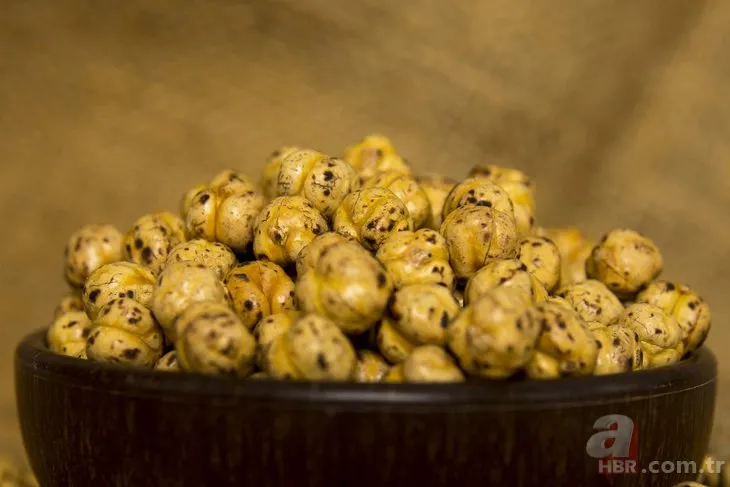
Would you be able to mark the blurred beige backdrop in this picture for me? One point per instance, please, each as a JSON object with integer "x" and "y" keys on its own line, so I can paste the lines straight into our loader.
{"x": 619, "y": 109}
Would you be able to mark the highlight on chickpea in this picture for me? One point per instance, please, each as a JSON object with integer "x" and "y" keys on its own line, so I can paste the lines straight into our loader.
{"x": 359, "y": 268}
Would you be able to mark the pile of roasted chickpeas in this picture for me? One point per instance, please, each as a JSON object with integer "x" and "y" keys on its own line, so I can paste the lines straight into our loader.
{"x": 354, "y": 268}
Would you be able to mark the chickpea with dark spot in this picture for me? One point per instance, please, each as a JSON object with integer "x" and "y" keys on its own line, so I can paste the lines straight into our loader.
{"x": 224, "y": 211}
{"x": 419, "y": 257}
{"x": 436, "y": 188}
{"x": 168, "y": 362}
{"x": 348, "y": 286}
{"x": 126, "y": 333}
{"x": 691, "y": 312}
{"x": 319, "y": 350}
{"x": 214, "y": 255}
{"x": 272, "y": 168}
{"x": 495, "y": 336}
{"x": 518, "y": 187}
{"x": 180, "y": 285}
{"x": 284, "y": 227}
{"x": 117, "y": 280}
{"x": 407, "y": 189}
{"x": 593, "y": 301}
{"x": 432, "y": 364}
{"x": 391, "y": 343}
{"x": 625, "y": 261}
{"x": 88, "y": 249}
{"x": 422, "y": 313}
{"x": 212, "y": 340}
{"x": 151, "y": 238}
{"x": 258, "y": 289}
{"x": 372, "y": 215}
{"x": 542, "y": 258}
{"x": 268, "y": 329}
{"x": 68, "y": 333}
{"x": 574, "y": 249}
{"x": 309, "y": 255}
{"x": 659, "y": 333}
{"x": 565, "y": 346}
{"x": 323, "y": 180}
{"x": 476, "y": 236}
{"x": 505, "y": 273}
{"x": 619, "y": 349}
{"x": 373, "y": 154}
{"x": 478, "y": 192}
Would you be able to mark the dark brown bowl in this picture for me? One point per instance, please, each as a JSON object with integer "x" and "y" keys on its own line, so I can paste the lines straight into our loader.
{"x": 90, "y": 424}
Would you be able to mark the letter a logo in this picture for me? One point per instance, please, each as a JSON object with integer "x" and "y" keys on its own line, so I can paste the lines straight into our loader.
{"x": 615, "y": 438}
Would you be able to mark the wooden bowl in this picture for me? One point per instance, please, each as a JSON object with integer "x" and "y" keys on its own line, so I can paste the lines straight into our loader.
{"x": 91, "y": 424}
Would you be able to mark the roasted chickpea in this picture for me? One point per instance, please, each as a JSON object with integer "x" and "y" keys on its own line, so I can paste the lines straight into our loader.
{"x": 592, "y": 301}
{"x": 321, "y": 179}
{"x": 419, "y": 257}
{"x": 212, "y": 340}
{"x": 370, "y": 216}
{"x": 619, "y": 349}
{"x": 430, "y": 363}
{"x": 565, "y": 347}
{"x": 478, "y": 192}
{"x": 89, "y": 248}
{"x": 224, "y": 211}
{"x": 519, "y": 188}
{"x": 407, "y": 189}
{"x": 68, "y": 333}
{"x": 574, "y": 249}
{"x": 258, "y": 289}
{"x": 373, "y": 154}
{"x": 436, "y": 188}
{"x": 348, "y": 286}
{"x": 371, "y": 367}
{"x": 391, "y": 343}
{"x": 495, "y": 336}
{"x": 310, "y": 254}
{"x": 625, "y": 261}
{"x": 476, "y": 236}
{"x": 319, "y": 350}
{"x": 168, "y": 362}
{"x": 117, "y": 280}
{"x": 395, "y": 375}
{"x": 187, "y": 200}
{"x": 213, "y": 255}
{"x": 505, "y": 273}
{"x": 423, "y": 312}
{"x": 684, "y": 305}
{"x": 271, "y": 170}
{"x": 268, "y": 329}
{"x": 542, "y": 258}
{"x": 71, "y": 302}
{"x": 180, "y": 285}
{"x": 277, "y": 360}
{"x": 125, "y": 332}
{"x": 659, "y": 333}
{"x": 284, "y": 227}
{"x": 151, "y": 239}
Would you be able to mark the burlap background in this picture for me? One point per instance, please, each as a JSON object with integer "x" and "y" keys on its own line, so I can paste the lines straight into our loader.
{"x": 619, "y": 110}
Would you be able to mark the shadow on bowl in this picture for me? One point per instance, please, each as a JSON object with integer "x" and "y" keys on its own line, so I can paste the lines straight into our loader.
{"x": 91, "y": 424}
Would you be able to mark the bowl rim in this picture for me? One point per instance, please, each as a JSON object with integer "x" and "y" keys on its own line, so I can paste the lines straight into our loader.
{"x": 32, "y": 357}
